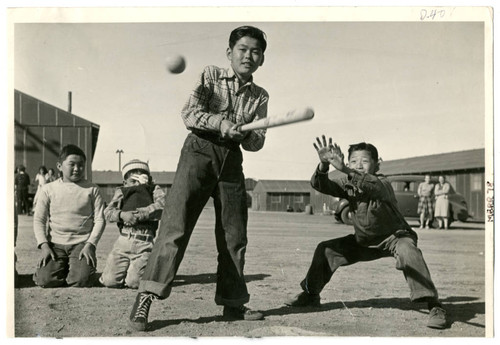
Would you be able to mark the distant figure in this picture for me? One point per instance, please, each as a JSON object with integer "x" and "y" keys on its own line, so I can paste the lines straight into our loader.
{"x": 74, "y": 209}
{"x": 39, "y": 181}
{"x": 289, "y": 208}
{"x": 425, "y": 202}
{"x": 16, "y": 223}
{"x": 50, "y": 176}
{"x": 441, "y": 212}
{"x": 136, "y": 208}
{"x": 21, "y": 184}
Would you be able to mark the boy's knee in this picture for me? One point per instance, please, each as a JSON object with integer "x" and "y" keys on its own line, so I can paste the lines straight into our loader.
{"x": 405, "y": 248}
{"x": 406, "y": 253}
{"x": 82, "y": 281}
{"x": 45, "y": 279}
{"x": 80, "y": 278}
{"x": 110, "y": 282}
{"x": 322, "y": 247}
{"x": 132, "y": 282}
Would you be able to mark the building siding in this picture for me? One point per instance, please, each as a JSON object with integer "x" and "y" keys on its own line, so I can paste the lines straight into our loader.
{"x": 41, "y": 130}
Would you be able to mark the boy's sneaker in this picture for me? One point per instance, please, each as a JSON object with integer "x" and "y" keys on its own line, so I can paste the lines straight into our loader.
{"x": 241, "y": 313}
{"x": 139, "y": 315}
{"x": 304, "y": 299}
{"x": 437, "y": 318}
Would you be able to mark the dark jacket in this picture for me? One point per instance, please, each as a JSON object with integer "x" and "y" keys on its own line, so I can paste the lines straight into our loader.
{"x": 372, "y": 202}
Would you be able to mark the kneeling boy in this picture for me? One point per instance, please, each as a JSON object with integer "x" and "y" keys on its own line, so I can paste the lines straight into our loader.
{"x": 136, "y": 208}
{"x": 74, "y": 210}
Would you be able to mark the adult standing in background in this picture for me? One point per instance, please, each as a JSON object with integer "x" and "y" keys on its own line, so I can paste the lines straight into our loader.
{"x": 39, "y": 181}
{"x": 441, "y": 191}
{"x": 21, "y": 184}
{"x": 425, "y": 203}
{"x": 50, "y": 176}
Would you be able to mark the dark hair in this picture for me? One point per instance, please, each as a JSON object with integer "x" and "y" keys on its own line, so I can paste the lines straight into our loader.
{"x": 364, "y": 147}
{"x": 53, "y": 171}
{"x": 249, "y": 31}
{"x": 21, "y": 168}
{"x": 43, "y": 168}
{"x": 136, "y": 171}
{"x": 71, "y": 150}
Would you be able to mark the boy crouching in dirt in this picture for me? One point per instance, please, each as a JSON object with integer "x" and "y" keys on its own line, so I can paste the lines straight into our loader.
{"x": 380, "y": 230}
{"x": 136, "y": 208}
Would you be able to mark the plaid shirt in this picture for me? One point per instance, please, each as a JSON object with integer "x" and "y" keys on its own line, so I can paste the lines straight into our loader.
{"x": 219, "y": 96}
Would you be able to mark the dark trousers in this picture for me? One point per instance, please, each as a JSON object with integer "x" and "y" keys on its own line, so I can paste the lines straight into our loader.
{"x": 66, "y": 270}
{"x": 344, "y": 251}
{"x": 207, "y": 168}
{"x": 22, "y": 201}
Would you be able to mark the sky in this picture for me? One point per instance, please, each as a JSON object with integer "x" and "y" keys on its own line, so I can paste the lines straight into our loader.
{"x": 411, "y": 88}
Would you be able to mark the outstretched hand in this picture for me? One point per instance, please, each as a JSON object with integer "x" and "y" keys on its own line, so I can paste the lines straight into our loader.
{"x": 329, "y": 153}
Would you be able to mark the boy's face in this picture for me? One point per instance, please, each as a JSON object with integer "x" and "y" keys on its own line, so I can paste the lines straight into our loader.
{"x": 72, "y": 168}
{"x": 362, "y": 161}
{"x": 130, "y": 182}
{"x": 246, "y": 57}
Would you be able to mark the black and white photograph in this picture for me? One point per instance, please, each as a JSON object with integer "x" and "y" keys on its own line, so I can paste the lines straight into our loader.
{"x": 310, "y": 172}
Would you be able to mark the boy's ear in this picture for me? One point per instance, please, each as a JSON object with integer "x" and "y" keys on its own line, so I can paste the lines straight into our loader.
{"x": 377, "y": 165}
{"x": 58, "y": 166}
{"x": 229, "y": 53}
{"x": 262, "y": 62}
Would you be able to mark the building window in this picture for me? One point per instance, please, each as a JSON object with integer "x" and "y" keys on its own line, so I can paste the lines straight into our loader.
{"x": 452, "y": 180}
{"x": 476, "y": 182}
{"x": 275, "y": 199}
{"x": 298, "y": 198}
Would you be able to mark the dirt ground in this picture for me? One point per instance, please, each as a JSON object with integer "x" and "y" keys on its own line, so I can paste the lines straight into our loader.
{"x": 364, "y": 300}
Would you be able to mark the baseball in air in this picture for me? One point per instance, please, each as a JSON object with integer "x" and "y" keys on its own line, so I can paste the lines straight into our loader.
{"x": 175, "y": 64}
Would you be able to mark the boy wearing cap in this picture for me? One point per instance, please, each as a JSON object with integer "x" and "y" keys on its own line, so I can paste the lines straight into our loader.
{"x": 136, "y": 208}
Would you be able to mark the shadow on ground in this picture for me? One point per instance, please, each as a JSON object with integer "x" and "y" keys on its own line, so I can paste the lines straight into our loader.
{"x": 26, "y": 280}
{"x": 211, "y": 278}
{"x": 459, "y": 309}
{"x": 456, "y": 309}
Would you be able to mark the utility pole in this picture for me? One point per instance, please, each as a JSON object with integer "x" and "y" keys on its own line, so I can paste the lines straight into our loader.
{"x": 119, "y": 151}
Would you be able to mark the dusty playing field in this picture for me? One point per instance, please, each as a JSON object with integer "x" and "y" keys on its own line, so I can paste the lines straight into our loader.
{"x": 366, "y": 299}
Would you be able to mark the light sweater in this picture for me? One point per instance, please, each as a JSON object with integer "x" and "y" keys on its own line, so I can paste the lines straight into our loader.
{"x": 74, "y": 211}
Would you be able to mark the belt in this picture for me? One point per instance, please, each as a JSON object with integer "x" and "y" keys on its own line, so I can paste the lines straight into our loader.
{"x": 216, "y": 139}
{"x": 138, "y": 236}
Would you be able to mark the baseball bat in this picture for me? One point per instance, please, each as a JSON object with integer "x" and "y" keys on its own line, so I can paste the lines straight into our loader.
{"x": 292, "y": 116}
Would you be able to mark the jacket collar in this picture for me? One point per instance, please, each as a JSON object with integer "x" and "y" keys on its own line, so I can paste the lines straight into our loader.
{"x": 228, "y": 73}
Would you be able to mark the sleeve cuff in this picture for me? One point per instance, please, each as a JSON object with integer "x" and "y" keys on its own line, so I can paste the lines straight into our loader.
{"x": 318, "y": 170}
{"x": 40, "y": 245}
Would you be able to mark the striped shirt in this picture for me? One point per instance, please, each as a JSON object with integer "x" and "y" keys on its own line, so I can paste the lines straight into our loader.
{"x": 219, "y": 96}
